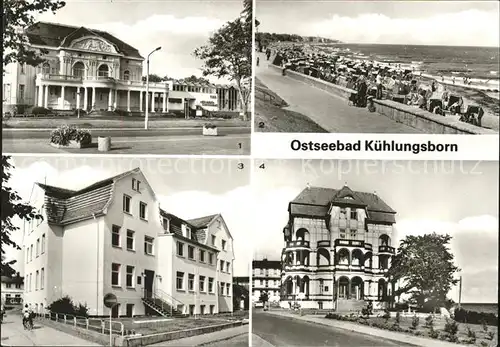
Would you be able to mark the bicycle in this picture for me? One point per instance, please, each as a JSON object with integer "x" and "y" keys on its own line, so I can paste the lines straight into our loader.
{"x": 28, "y": 322}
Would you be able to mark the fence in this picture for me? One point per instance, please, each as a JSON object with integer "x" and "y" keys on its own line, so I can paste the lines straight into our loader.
{"x": 93, "y": 324}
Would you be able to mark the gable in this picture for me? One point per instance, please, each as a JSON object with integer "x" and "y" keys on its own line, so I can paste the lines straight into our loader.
{"x": 93, "y": 44}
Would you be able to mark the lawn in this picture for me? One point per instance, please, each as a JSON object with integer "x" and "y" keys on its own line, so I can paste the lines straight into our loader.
{"x": 174, "y": 324}
{"x": 121, "y": 122}
{"x": 271, "y": 114}
{"x": 483, "y": 334}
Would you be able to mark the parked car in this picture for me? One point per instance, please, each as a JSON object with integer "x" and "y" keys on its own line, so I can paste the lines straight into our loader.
{"x": 259, "y": 304}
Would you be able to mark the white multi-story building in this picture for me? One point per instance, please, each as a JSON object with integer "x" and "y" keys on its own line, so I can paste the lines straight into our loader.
{"x": 12, "y": 289}
{"x": 337, "y": 249}
{"x": 93, "y": 70}
{"x": 266, "y": 278}
{"x": 112, "y": 237}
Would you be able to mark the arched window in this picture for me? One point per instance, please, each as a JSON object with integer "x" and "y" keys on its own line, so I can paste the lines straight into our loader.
{"x": 343, "y": 288}
{"x": 126, "y": 75}
{"x": 357, "y": 257}
{"x": 302, "y": 234}
{"x": 323, "y": 257}
{"x": 103, "y": 71}
{"x": 78, "y": 69}
{"x": 384, "y": 240}
{"x": 356, "y": 288}
{"x": 45, "y": 68}
{"x": 343, "y": 257}
{"x": 368, "y": 260}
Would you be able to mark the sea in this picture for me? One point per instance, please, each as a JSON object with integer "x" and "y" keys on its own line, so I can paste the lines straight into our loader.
{"x": 473, "y": 62}
{"x": 481, "y": 307}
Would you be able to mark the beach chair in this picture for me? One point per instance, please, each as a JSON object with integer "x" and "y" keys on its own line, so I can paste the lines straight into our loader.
{"x": 473, "y": 115}
{"x": 433, "y": 103}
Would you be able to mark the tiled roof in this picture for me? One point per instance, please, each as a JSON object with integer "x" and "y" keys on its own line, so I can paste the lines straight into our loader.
{"x": 202, "y": 222}
{"x": 266, "y": 264}
{"x": 315, "y": 201}
{"x": 65, "y": 206}
{"x": 54, "y": 35}
{"x": 14, "y": 280}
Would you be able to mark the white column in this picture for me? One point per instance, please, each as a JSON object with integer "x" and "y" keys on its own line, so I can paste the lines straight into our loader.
{"x": 61, "y": 105}
{"x": 152, "y": 102}
{"x": 85, "y": 98}
{"x": 140, "y": 101}
{"x": 164, "y": 102}
{"x": 166, "y": 97}
{"x": 40, "y": 95}
{"x": 110, "y": 99}
{"x": 46, "y": 104}
{"x": 115, "y": 102}
{"x": 93, "y": 98}
{"x": 128, "y": 100}
{"x": 77, "y": 98}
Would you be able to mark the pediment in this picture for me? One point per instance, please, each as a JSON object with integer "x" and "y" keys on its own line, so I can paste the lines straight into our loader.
{"x": 93, "y": 44}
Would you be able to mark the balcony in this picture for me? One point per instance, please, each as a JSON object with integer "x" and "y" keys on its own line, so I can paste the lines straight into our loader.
{"x": 386, "y": 249}
{"x": 324, "y": 243}
{"x": 62, "y": 78}
{"x": 297, "y": 243}
{"x": 353, "y": 243}
{"x": 103, "y": 79}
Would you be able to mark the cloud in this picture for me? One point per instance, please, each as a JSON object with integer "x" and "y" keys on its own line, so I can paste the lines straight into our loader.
{"x": 466, "y": 28}
{"x": 235, "y": 208}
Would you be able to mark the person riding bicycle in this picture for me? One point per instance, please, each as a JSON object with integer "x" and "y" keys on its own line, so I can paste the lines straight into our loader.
{"x": 27, "y": 316}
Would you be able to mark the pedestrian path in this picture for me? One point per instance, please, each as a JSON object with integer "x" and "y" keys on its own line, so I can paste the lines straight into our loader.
{"x": 206, "y": 338}
{"x": 329, "y": 111}
{"x": 13, "y": 334}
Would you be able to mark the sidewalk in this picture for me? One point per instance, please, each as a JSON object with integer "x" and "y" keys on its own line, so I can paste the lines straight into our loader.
{"x": 206, "y": 338}
{"x": 362, "y": 329}
{"x": 13, "y": 334}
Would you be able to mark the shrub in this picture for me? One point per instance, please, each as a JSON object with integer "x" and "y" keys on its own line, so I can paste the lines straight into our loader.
{"x": 451, "y": 327}
{"x": 473, "y": 317}
{"x": 429, "y": 321}
{"x": 66, "y": 306}
{"x": 414, "y": 322}
{"x": 66, "y": 133}
{"x": 470, "y": 332}
{"x": 210, "y": 126}
{"x": 398, "y": 317}
{"x": 433, "y": 333}
{"x": 38, "y": 111}
{"x": 417, "y": 333}
{"x": 485, "y": 326}
{"x": 387, "y": 314}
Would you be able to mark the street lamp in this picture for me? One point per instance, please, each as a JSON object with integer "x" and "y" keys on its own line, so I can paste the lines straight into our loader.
{"x": 78, "y": 106}
{"x": 147, "y": 87}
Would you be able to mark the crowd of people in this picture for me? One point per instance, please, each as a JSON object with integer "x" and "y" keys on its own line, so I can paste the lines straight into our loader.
{"x": 369, "y": 79}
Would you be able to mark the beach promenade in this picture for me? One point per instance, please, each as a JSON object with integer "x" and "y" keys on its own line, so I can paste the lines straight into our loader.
{"x": 327, "y": 110}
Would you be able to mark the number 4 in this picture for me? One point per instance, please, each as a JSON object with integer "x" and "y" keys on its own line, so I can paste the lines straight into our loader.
{"x": 262, "y": 166}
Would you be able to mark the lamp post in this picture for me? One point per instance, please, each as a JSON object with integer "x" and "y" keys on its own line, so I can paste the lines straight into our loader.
{"x": 147, "y": 86}
{"x": 78, "y": 106}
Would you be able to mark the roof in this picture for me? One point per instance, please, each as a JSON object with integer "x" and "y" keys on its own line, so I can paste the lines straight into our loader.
{"x": 178, "y": 94}
{"x": 202, "y": 222}
{"x": 13, "y": 280}
{"x": 61, "y": 35}
{"x": 315, "y": 202}
{"x": 266, "y": 264}
{"x": 64, "y": 206}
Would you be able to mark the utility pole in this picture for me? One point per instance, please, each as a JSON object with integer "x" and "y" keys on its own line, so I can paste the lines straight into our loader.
{"x": 460, "y": 294}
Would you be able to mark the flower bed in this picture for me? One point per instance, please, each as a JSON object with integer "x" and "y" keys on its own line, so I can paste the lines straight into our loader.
{"x": 210, "y": 129}
{"x": 433, "y": 327}
{"x": 71, "y": 137}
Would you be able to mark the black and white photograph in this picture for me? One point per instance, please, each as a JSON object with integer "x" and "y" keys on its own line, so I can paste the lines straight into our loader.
{"x": 375, "y": 253}
{"x": 398, "y": 67}
{"x": 127, "y": 77}
{"x": 124, "y": 252}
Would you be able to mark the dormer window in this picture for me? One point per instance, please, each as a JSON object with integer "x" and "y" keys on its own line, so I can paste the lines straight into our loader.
{"x": 166, "y": 225}
{"x": 189, "y": 234}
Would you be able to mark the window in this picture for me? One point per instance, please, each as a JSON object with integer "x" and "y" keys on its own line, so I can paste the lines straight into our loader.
{"x": 136, "y": 185}
{"x": 180, "y": 280}
{"x": 211, "y": 258}
{"x": 139, "y": 280}
{"x": 223, "y": 245}
{"x": 143, "y": 210}
{"x": 180, "y": 249}
{"x": 202, "y": 284}
{"x": 126, "y": 203}
{"x": 343, "y": 212}
{"x": 354, "y": 214}
{"x": 222, "y": 265}
{"x": 212, "y": 309}
{"x": 37, "y": 247}
{"x": 18, "y": 286}
{"x": 46, "y": 68}
{"x": 148, "y": 245}
{"x": 321, "y": 287}
{"x": 191, "y": 310}
{"x": 115, "y": 274}
{"x": 31, "y": 252}
{"x": 189, "y": 235}
{"x": 130, "y": 310}
{"x": 78, "y": 69}
{"x": 191, "y": 282}
{"x": 166, "y": 224}
{"x": 42, "y": 278}
{"x": 130, "y": 240}
{"x": 115, "y": 311}
{"x": 228, "y": 289}
{"x": 190, "y": 252}
{"x": 43, "y": 243}
{"x": 352, "y": 234}
{"x": 37, "y": 278}
{"x": 202, "y": 309}
{"x": 21, "y": 92}
{"x": 221, "y": 288}
{"x": 8, "y": 285}
{"x": 202, "y": 255}
{"x": 213, "y": 240}
{"x": 126, "y": 75}
{"x": 23, "y": 68}
{"x": 130, "y": 276}
{"x": 115, "y": 236}
{"x": 31, "y": 281}
{"x": 342, "y": 234}
{"x": 210, "y": 285}
{"x": 228, "y": 267}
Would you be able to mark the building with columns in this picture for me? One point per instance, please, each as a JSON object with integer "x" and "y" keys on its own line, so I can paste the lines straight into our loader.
{"x": 337, "y": 250}
{"x": 266, "y": 278}
{"x": 93, "y": 70}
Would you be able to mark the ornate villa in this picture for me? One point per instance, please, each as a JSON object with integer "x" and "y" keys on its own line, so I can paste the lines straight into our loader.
{"x": 93, "y": 70}
{"x": 337, "y": 249}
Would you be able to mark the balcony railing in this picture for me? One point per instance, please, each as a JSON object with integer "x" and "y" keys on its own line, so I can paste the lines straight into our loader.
{"x": 297, "y": 243}
{"x": 71, "y": 78}
{"x": 55, "y": 77}
{"x": 353, "y": 243}
{"x": 324, "y": 243}
{"x": 386, "y": 249}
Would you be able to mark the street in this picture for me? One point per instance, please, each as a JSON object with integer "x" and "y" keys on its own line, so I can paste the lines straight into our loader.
{"x": 282, "y": 331}
{"x": 232, "y": 337}
{"x": 13, "y": 334}
{"x": 231, "y": 141}
{"x": 329, "y": 111}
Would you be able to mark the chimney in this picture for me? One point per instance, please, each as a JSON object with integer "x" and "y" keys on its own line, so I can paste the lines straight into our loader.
{"x": 375, "y": 193}
{"x": 345, "y": 184}
{"x": 308, "y": 186}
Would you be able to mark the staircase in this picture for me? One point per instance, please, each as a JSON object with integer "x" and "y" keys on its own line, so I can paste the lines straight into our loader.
{"x": 162, "y": 304}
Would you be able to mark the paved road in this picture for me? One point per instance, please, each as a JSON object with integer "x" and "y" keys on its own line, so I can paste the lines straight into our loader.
{"x": 329, "y": 111}
{"x": 13, "y": 334}
{"x": 237, "y": 337}
{"x": 281, "y": 331}
{"x": 231, "y": 141}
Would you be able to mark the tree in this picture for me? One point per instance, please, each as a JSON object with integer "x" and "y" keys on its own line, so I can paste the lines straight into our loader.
{"x": 17, "y": 15}
{"x": 264, "y": 297}
{"x": 153, "y": 78}
{"x": 12, "y": 207}
{"x": 194, "y": 79}
{"x": 424, "y": 268}
{"x": 229, "y": 54}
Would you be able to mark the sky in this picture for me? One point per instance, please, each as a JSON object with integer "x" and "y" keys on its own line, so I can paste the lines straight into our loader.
{"x": 454, "y": 23}
{"x": 187, "y": 187}
{"x": 179, "y": 27}
{"x": 458, "y": 198}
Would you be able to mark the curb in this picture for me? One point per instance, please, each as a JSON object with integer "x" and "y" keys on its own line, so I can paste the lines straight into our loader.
{"x": 221, "y": 339}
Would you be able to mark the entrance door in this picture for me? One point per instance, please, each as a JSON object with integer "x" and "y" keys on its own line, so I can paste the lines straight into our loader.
{"x": 148, "y": 283}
